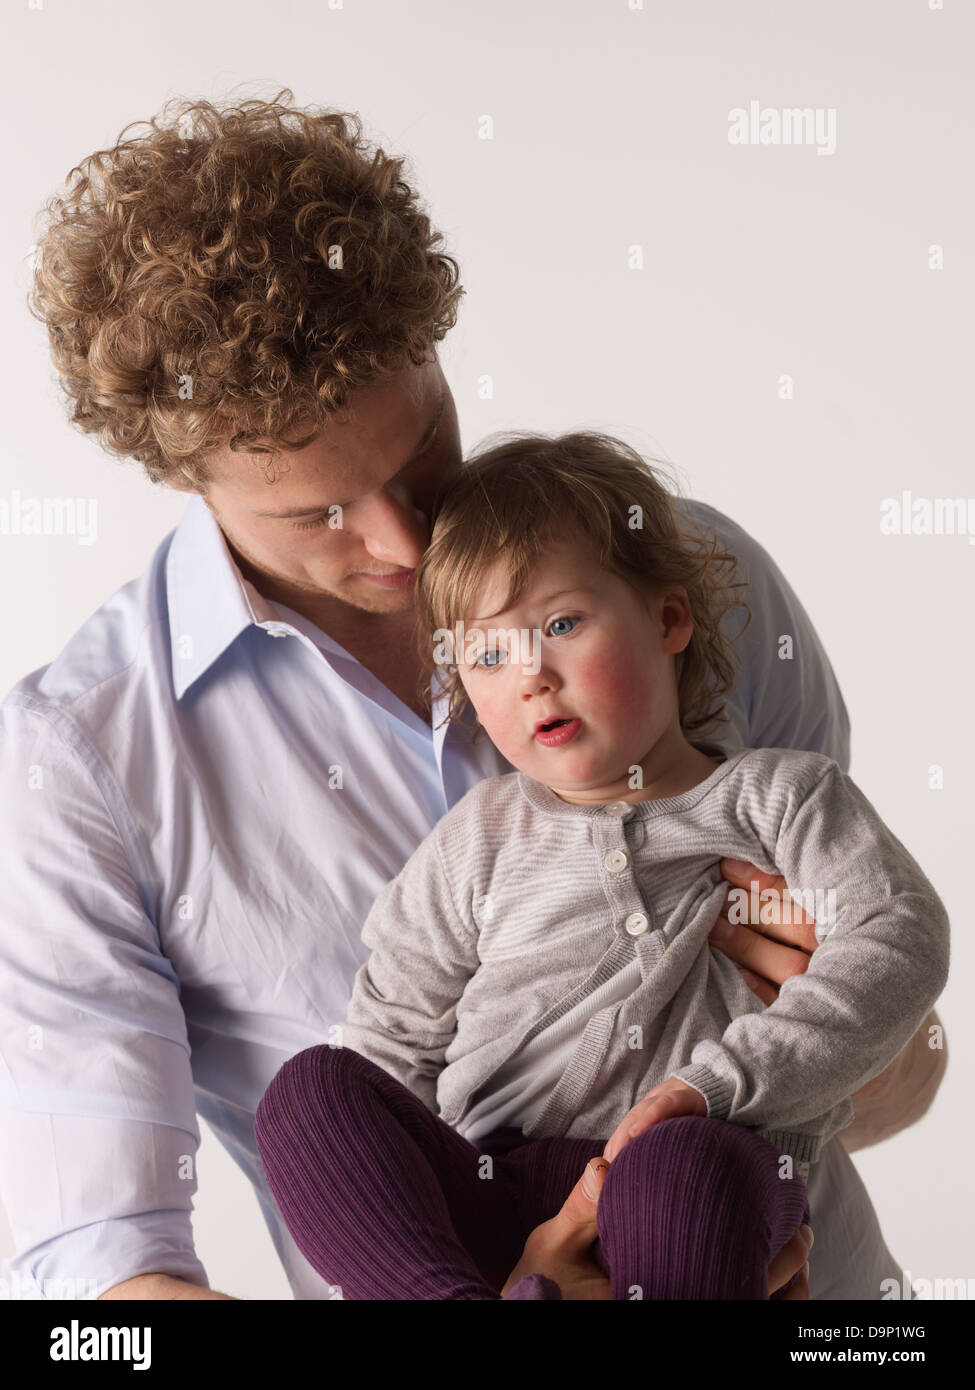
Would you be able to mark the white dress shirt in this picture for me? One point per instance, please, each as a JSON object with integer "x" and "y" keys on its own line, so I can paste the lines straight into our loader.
{"x": 200, "y": 797}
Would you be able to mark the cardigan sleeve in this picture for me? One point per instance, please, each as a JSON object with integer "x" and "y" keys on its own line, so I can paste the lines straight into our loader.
{"x": 880, "y": 966}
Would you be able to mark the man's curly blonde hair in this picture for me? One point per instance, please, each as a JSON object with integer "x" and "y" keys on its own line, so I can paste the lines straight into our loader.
{"x": 515, "y": 497}
{"x": 231, "y": 276}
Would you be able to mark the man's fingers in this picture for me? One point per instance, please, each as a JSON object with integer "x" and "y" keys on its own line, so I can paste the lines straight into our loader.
{"x": 614, "y": 1144}
{"x": 742, "y": 874}
{"x": 766, "y": 992}
{"x": 750, "y": 948}
{"x": 764, "y": 899}
{"x": 784, "y": 919}
{"x": 574, "y": 1223}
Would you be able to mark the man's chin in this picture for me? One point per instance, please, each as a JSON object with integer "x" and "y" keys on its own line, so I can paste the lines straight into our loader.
{"x": 362, "y": 593}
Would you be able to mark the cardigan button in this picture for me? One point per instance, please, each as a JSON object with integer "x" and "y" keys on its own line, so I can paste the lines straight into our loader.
{"x": 616, "y": 860}
{"x": 637, "y": 923}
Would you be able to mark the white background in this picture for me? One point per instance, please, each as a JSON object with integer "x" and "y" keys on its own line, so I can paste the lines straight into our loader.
{"x": 611, "y": 130}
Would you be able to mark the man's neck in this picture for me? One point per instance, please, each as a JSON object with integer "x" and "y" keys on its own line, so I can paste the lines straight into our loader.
{"x": 356, "y": 629}
{"x": 381, "y": 642}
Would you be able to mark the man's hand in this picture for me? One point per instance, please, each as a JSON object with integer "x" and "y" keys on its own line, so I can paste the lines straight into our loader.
{"x": 664, "y": 1102}
{"x": 769, "y": 951}
{"x": 561, "y": 1249}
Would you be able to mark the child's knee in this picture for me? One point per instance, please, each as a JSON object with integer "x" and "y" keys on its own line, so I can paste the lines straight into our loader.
{"x": 313, "y": 1073}
{"x": 700, "y": 1152}
{"x": 708, "y": 1174}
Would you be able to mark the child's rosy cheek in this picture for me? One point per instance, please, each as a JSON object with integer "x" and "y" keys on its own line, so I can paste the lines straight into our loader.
{"x": 596, "y": 673}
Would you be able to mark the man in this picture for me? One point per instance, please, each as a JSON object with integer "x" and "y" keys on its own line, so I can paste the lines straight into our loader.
{"x": 195, "y": 819}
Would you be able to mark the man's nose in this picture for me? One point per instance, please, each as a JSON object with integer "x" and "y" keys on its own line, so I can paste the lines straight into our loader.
{"x": 396, "y": 531}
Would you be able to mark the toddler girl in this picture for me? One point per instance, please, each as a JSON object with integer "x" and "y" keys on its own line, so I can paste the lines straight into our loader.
{"x": 541, "y": 988}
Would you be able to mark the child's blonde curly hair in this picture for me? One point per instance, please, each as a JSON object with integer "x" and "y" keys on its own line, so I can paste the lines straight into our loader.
{"x": 514, "y": 497}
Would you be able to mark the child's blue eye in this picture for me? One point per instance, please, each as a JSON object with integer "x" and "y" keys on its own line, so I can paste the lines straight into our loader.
{"x": 487, "y": 666}
{"x": 561, "y": 620}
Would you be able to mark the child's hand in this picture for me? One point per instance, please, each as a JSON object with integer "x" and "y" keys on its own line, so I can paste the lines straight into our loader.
{"x": 664, "y": 1102}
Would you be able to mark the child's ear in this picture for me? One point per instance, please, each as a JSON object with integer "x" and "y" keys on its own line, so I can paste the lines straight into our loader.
{"x": 677, "y": 620}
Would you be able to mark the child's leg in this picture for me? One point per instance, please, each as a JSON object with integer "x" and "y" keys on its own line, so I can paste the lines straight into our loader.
{"x": 695, "y": 1208}
{"x": 381, "y": 1196}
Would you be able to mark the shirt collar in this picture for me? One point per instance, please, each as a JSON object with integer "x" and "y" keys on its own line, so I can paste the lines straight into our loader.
{"x": 210, "y": 602}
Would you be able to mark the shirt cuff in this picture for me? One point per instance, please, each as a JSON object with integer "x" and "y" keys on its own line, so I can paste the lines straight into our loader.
{"x": 84, "y": 1263}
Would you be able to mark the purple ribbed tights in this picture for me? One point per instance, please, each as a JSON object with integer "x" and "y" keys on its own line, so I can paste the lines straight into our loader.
{"x": 386, "y": 1201}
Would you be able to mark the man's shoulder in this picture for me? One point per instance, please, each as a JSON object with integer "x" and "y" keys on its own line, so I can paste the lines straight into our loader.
{"x": 759, "y": 568}
{"x": 708, "y": 517}
{"x": 109, "y": 648}
{"x": 786, "y": 693}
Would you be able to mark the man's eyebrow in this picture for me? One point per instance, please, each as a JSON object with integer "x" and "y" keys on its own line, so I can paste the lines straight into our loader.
{"x": 477, "y": 622}
{"x": 424, "y": 443}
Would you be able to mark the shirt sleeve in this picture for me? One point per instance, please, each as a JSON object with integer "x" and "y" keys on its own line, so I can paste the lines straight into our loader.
{"x": 787, "y": 694}
{"x": 99, "y": 1134}
{"x": 880, "y": 966}
{"x": 403, "y": 1011}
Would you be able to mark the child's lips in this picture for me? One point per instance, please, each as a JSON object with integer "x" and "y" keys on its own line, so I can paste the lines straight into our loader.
{"x": 561, "y": 733}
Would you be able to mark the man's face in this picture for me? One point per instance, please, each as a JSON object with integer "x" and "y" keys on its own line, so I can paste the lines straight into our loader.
{"x": 383, "y": 465}
{"x": 601, "y": 659}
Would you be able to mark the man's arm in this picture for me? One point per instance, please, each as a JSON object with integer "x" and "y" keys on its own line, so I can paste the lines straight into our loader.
{"x": 871, "y": 982}
{"x": 902, "y": 1093}
{"x": 160, "y": 1286}
{"x": 771, "y": 952}
{"x": 797, "y": 703}
{"x": 786, "y": 694}
{"x": 99, "y": 1134}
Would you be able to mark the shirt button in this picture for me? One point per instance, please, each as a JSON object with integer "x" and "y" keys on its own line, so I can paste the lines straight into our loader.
{"x": 637, "y": 923}
{"x": 616, "y": 860}
{"x": 618, "y": 808}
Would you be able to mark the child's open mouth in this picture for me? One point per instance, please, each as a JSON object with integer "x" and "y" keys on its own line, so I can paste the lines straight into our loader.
{"x": 557, "y": 731}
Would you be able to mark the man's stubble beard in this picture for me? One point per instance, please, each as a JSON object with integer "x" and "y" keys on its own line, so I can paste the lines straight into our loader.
{"x": 284, "y": 589}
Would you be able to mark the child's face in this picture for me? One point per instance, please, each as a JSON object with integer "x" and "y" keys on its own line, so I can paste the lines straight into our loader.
{"x": 594, "y": 654}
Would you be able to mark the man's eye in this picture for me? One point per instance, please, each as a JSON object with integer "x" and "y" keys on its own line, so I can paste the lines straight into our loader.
{"x": 308, "y": 525}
